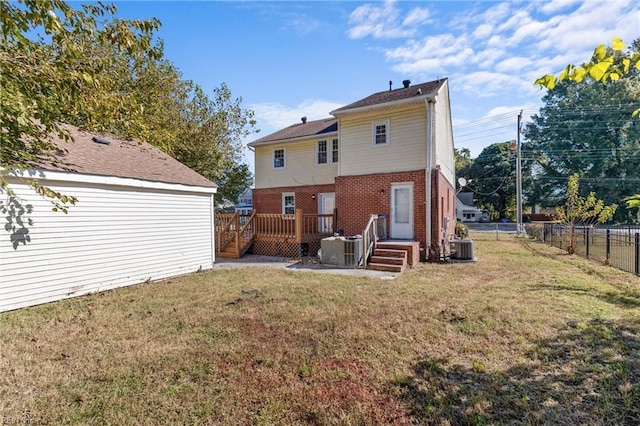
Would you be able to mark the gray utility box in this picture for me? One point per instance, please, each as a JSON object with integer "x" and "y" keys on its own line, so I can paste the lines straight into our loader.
{"x": 343, "y": 252}
{"x": 462, "y": 249}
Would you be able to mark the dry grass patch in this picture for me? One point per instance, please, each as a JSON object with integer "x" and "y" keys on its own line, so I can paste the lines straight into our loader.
{"x": 525, "y": 335}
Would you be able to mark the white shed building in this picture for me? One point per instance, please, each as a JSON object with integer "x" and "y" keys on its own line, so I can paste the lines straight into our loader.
{"x": 140, "y": 216}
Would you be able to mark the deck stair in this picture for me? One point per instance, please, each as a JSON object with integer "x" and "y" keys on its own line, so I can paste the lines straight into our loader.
{"x": 389, "y": 260}
{"x": 394, "y": 256}
{"x": 230, "y": 251}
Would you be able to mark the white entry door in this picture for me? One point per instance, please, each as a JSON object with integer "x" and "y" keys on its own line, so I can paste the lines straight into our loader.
{"x": 326, "y": 205}
{"x": 401, "y": 211}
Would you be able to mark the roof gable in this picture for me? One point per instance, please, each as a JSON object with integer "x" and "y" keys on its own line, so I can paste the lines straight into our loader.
{"x": 90, "y": 154}
{"x": 300, "y": 130}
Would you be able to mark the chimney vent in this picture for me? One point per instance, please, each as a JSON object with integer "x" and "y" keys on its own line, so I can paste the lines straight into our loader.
{"x": 304, "y": 120}
{"x": 406, "y": 83}
{"x": 390, "y": 84}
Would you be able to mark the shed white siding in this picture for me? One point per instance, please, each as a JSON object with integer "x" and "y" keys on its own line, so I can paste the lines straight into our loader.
{"x": 407, "y": 141}
{"x": 121, "y": 232}
{"x": 301, "y": 166}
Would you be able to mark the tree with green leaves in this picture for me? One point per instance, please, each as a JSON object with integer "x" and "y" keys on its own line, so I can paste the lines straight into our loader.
{"x": 587, "y": 127}
{"x": 581, "y": 211}
{"x": 44, "y": 73}
{"x": 492, "y": 178}
{"x": 88, "y": 68}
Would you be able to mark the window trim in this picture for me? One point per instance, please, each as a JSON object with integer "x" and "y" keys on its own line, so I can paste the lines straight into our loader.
{"x": 326, "y": 152}
{"x": 335, "y": 150}
{"x": 284, "y": 158}
{"x": 288, "y": 194}
{"x": 374, "y": 125}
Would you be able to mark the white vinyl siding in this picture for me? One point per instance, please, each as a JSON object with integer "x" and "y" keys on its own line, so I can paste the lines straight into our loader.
{"x": 406, "y": 150}
{"x": 115, "y": 236}
{"x": 443, "y": 145}
{"x": 302, "y": 168}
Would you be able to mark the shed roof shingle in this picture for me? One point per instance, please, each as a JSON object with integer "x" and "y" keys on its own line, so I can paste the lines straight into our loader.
{"x": 121, "y": 158}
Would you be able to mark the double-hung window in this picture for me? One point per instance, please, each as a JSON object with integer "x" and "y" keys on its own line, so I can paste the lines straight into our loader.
{"x": 334, "y": 151}
{"x": 322, "y": 152}
{"x": 278, "y": 158}
{"x": 380, "y": 133}
{"x": 288, "y": 203}
{"x": 327, "y": 153}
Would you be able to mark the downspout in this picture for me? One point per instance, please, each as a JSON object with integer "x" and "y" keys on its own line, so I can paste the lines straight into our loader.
{"x": 427, "y": 176}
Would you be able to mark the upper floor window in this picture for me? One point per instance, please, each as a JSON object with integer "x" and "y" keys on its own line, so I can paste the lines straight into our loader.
{"x": 381, "y": 133}
{"x": 327, "y": 153}
{"x": 278, "y": 158}
{"x": 322, "y": 152}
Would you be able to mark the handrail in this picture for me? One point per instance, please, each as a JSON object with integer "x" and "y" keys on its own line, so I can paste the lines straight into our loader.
{"x": 225, "y": 229}
{"x": 369, "y": 238}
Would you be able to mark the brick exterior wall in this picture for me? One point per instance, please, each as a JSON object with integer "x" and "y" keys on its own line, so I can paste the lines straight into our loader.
{"x": 357, "y": 197}
{"x": 269, "y": 200}
{"x": 443, "y": 204}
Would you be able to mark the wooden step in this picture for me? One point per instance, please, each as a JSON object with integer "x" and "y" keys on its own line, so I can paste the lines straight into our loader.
{"x": 386, "y": 267}
{"x": 388, "y": 260}
{"x": 390, "y": 253}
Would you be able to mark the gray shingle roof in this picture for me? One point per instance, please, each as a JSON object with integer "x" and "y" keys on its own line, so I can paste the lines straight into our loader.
{"x": 121, "y": 158}
{"x": 310, "y": 128}
{"x": 396, "y": 95}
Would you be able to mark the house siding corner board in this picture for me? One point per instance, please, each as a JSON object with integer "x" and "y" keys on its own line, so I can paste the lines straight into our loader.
{"x": 115, "y": 236}
{"x": 406, "y": 149}
{"x": 358, "y": 197}
{"x": 269, "y": 200}
{"x": 300, "y": 168}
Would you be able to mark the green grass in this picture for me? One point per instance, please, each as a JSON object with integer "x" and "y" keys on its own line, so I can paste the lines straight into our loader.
{"x": 527, "y": 335}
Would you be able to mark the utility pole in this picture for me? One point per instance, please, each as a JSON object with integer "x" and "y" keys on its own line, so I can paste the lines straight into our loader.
{"x": 520, "y": 226}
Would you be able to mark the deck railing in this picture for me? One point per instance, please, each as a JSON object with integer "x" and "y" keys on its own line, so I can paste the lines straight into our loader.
{"x": 295, "y": 228}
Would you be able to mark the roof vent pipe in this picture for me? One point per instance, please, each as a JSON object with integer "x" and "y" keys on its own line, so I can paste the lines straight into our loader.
{"x": 390, "y": 84}
{"x": 406, "y": 83}
{"x": 304, "y": 120}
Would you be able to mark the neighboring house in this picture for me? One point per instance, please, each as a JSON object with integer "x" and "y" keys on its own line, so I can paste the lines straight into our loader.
{"x": 140, "y": 216}
{"x": 390, "y": 154}
{"x": 245, "y": 203}
{"x": 466, "y": 211}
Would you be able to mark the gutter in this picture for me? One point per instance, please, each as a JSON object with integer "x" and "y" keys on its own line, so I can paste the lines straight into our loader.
{"x": 427, "y": 178}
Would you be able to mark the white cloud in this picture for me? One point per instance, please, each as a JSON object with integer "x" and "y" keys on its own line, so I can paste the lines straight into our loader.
{"x": 273, "y": 116}
{"x": 417, "y": 16}
{"x": 484, "y": 84}
{"x": 431, "y": 55}
{"x": 557, "y": 5}
{"x": 384, "y": 21}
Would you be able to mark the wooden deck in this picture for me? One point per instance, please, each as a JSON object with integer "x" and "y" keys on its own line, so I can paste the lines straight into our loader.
{"x": 271, "y": 234}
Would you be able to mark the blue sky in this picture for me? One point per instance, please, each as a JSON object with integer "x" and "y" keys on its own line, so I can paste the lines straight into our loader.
{"x": 290, "y": 59}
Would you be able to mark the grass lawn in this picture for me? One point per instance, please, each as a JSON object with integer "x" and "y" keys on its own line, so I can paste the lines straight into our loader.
{"x": 527, "y": 335}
